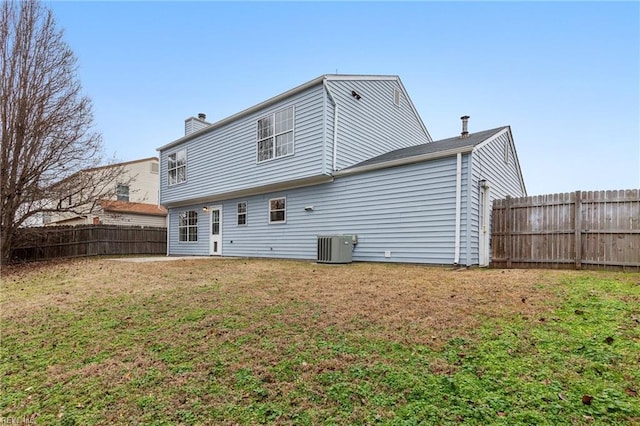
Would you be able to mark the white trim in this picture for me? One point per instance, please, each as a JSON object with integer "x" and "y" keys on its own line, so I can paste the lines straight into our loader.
{"x": 187, "y": 226}
{"x": 246, "y": 213}
{"x": 278, "y": 222}
{"x": 403, "y": 161}
{"x": 491, "y": 139}
{"x": 484, "y": 201}
{"x": 335, "y": 138}
{"x": 241, "y": 193}
{"x": 211, "y": 209}
{"x": 456, "y": 255}
{"x": 275, "y": 135}
{"x": 324, "y": 128}
{"x": 335, "y": 128}
{"x": 176, "y": 152}
{"x": 507, "y": 151}
{"x": 415, "y": 111}
{"x": 285, "y": 95}
{"x": 246, "y": 112}
{"x": 343, "y": 77}
{"x": 507, "y": 130}
{"x": 396, "y": 94}
{"x": 469, "y": 209}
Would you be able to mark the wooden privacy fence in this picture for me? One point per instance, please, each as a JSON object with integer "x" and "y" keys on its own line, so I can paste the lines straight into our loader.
{"x": 593, "y": 229}
{"x": 87, "y": 240}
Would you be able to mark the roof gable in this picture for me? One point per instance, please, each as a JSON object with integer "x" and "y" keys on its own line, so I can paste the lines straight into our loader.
{"x": 298, "y": 89}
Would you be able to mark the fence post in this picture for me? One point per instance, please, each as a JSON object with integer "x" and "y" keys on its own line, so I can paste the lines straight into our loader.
{"x": 577, "y": 214}
{"x": 508, "y": 225}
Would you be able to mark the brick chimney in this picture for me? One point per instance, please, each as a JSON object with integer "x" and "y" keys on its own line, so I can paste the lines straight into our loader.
{"x": 465, "y": 122}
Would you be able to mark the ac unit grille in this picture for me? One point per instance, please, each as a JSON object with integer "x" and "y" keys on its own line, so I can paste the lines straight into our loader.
{"x": 335, "y": 249}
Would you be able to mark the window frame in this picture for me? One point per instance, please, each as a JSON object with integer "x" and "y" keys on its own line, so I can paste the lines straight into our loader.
{"x": 284, "y": 210}
{"x": 120, "y": 197}
{"x": 176, "y": 167}
{"x": 274, "y": 135}
{"x": 507, "y": 151}
{"x": 397, "y": 94}
{"x": 184, "y": 220}
{"x": 245, "y": 213}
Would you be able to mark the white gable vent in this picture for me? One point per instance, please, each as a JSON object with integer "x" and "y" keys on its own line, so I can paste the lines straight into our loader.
{"x": 396, "y": 96}
{"x": 336, "y": 248}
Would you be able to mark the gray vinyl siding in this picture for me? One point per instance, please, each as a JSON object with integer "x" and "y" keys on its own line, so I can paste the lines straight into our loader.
{"x": 329, "y": 134}
{"x": 225, "y": 159}
{"x": 408, "y": 210}
{"x": 191, "y": 248}
{"x": 503, "y": 179}
{"x": 373, "y": 125}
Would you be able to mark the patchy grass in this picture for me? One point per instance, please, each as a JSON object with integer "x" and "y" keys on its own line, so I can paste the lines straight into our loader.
{"x": 230, "y": 341}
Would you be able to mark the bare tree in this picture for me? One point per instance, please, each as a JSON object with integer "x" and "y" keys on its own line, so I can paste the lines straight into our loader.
{"x": 46, "y": 123}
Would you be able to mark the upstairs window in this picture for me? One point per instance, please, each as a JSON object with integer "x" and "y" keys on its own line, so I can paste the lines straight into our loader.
{"x": 242, "y": 213}
{"x": 122, "y": 192}
{"x": 188, "y": 226}
{"x": 277, "y": 210}
{"x": 177, "y": 167}
{"x": 275, "y": 135}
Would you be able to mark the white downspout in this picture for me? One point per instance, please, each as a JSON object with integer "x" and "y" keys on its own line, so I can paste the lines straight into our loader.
{"x": 456, "y": 255}
{"x": 168, "y": 231}
{"x": 335, "y": 128}
{"x": 335, "y": 138}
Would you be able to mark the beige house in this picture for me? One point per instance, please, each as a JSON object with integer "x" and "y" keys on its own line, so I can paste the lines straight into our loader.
{"x": 129, "y": 199}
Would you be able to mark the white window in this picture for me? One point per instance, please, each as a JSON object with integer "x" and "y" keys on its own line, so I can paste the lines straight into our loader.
{"x": 396, "y": 96}
{"x": 177, "y": 167}
{"x": 275, "y": 135}
{"x": 154, "y": 168}
{"x": 277, "y": 210}
{"x": 242, "y": 213}
{"x": 122, "y": 192}
{"x": 188, "y": 226}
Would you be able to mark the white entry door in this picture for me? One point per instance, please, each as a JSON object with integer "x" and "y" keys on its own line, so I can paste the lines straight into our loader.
{"x": 215, "y": 239}
{"x": 484, "y": 249}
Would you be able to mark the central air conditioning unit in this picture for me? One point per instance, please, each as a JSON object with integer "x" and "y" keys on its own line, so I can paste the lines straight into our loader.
{"x": 336, "y": 248}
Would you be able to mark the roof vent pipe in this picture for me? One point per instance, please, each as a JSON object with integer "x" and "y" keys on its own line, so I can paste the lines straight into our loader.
{"x": 202, "y": 116}
{"x": 465, "y": 122}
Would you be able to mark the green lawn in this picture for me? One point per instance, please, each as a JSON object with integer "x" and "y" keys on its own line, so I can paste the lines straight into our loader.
{"x": 281, "y": 342}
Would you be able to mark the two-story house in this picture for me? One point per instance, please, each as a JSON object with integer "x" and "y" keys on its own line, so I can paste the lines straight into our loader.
{"x": 131, "y": 198}
{"x": 340, "y": 154}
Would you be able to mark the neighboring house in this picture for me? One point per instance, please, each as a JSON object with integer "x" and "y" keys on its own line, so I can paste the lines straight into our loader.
{"x": 135, "y": 199}
{"x": 337, "y": 155}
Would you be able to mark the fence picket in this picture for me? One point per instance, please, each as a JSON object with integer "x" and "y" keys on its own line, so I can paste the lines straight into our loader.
{"x": 43, "y": 243}
{"x": 583, "y": 229}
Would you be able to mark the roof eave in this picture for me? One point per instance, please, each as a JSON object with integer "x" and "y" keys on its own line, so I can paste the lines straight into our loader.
{"x": 403, "y": 161}
{"x": 245, "y": 112}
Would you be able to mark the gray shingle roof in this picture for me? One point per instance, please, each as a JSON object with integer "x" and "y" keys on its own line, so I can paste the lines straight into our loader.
{"x": 433, "y": 147}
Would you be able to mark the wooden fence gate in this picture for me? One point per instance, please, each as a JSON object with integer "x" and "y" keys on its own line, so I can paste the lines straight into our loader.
{"x": 594, "y": 230}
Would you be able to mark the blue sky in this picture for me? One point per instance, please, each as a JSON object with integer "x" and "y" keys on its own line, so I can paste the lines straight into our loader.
{"x": 564, "y": 75}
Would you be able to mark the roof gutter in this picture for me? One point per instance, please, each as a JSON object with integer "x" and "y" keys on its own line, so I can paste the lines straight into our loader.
{"x": 248, "y": 192}
{"x": 402, "y": 161}
{"x": 244, "y": 113}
